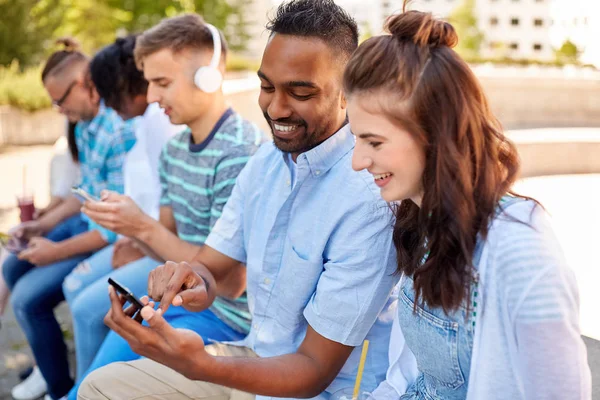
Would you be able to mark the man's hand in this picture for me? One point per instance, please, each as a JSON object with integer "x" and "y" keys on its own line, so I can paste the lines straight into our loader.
{"x": 40, "y": 252}
{"x": 179, "y": 349}
{"x": 116, "y": 212}
{"x": 178, "y": 284}
{"x": 124, "y": 252}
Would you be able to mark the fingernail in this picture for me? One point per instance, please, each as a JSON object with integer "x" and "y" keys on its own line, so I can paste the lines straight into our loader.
{"x": 147, "y": 313}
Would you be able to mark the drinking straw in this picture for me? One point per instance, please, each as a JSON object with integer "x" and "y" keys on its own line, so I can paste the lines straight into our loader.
{"x": 24, "y": 179}
{"x": 361, "y": 367}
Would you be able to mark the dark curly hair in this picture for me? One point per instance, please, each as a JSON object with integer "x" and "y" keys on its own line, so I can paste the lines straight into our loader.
{"x": 115, "y": 74}
{"x": 317, "y": 18}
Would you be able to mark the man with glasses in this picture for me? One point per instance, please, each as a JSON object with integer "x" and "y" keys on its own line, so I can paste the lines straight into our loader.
{"x": 63, "y": 237}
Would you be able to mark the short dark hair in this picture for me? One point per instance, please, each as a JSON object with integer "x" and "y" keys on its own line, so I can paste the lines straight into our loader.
{"x": 115, "y": 74}
{"x": 317, "y": 18}
{"x": 61, "y": 60}
{"x": 187, "y": 31}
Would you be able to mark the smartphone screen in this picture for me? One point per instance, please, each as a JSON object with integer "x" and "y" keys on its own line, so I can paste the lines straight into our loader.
{"x": 82, "y": 195}
{"x": 127, "y": 293}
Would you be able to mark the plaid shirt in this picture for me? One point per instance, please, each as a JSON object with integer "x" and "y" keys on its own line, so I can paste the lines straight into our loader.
{"x": 103, "y": 144}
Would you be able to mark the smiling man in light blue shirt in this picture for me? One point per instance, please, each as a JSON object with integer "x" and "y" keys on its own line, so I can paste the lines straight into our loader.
{"x": 306, "y": 236}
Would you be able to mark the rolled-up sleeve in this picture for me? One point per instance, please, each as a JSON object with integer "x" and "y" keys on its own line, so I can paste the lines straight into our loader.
{"x": 358, "y": 275}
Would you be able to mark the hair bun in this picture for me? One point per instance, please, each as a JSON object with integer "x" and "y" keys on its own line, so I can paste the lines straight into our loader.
{"x": 422, "y": 29}
{"x": 69, "y": 44}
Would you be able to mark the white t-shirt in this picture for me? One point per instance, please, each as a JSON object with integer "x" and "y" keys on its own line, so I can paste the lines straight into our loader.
{"x": 140, "y": 171}
{"x": 64, "y": 172}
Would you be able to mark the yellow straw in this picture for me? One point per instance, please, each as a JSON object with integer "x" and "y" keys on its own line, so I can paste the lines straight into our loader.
{"x": 361, "y": 367}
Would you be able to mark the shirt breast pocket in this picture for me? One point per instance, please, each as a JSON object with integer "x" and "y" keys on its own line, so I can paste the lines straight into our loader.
{"x": 432, "y": 339}
{"x": 297, "y": 283}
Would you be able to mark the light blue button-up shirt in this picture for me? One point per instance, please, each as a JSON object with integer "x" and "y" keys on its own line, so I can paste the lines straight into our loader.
{"x": 317, "y": 253}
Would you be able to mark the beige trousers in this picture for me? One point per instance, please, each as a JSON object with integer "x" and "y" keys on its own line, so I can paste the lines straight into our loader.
{"x": 146, "y": 379}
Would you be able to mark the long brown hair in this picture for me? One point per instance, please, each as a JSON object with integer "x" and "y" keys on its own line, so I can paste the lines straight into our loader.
{"x": 469, "y": 163}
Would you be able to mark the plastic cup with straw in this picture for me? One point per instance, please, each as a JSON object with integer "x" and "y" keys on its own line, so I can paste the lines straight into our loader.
{"x": 344, "y": 394}
{"x": 361, "y": 367}
{"x": 25, "y": 200}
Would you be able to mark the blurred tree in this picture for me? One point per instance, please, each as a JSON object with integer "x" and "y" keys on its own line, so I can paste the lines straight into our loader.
{"x": 29, "y": 27}
{"x": 236, "y": 27}
{"x": 568, "y": 53}
{"x": 365, "y": 32}
{"x": 25, "y": 29}
{"x": 470, "y": 37}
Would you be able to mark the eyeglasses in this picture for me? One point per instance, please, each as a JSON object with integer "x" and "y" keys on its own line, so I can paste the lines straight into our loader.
{"x": 58, "y": 103}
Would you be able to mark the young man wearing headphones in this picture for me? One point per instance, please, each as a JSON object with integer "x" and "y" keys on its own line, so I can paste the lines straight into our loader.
{"x": 183, "y": 59}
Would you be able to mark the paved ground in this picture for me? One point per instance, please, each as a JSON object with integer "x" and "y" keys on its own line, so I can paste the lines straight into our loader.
{"x": 571, "y": 200}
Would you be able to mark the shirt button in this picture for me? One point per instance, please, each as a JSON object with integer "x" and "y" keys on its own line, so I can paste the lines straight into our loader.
{"x": 267, "y": 281}
{"x": 288, "y": 182}
{"x": 317, "y": 172}
{"x": 255, "y": 326}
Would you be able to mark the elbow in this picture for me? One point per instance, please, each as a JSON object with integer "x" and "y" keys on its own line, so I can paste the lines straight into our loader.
{"x": 232, "y": 292}
{"x": 314, "y": 392}
{"x": 311, "y": 391}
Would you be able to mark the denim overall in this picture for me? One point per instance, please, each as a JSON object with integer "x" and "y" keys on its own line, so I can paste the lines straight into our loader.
{"x": 442, "y": 343}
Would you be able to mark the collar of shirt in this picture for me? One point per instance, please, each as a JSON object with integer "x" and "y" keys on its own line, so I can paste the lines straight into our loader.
{"x": 91, "y": 127}
{"x": 321, "y": 158}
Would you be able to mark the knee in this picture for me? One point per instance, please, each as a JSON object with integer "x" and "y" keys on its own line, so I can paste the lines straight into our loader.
{"x": 77, "y": 308}
{"x": 98, "y": 383}
{"x": 74, "y": 283}
{"x": 23, "y": 299}
{"x": 11, "y": 270}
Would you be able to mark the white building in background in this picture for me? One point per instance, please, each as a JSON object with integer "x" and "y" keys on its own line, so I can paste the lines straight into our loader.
{"x": 512, "y": 28}
{"x": 530, "y": 29}
{"x": 578, "y": 21}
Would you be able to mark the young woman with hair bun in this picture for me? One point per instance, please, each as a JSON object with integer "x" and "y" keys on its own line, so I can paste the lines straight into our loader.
{"x": 488, "y": 308}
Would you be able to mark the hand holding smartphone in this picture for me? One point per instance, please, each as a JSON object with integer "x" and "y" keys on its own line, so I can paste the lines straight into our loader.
{"x": 12, "y": 243}
{"x": 82, "y": 195}
{"x": 129, "y": 296}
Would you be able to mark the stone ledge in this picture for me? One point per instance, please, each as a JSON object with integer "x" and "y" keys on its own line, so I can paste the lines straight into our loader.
{"x": 558, "y": 151}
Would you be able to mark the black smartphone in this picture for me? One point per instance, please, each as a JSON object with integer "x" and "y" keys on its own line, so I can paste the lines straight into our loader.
{"x": 127, "y": 293}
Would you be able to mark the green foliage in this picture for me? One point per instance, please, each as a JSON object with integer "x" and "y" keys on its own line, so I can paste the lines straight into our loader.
{"x": 521, "y": 62}
{"x": 25, "y": 28}
{"x": 365, "y": 33}
{"x": 23, "y": 89}
{"x": 238, "y": 63}
{"x": 568, "y": 53}
{"x": 29, "y": 27}
{"x": 470, "y": 38}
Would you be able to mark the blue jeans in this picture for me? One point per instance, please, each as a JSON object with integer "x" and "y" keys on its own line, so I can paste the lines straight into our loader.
{"x": 86, "y": 292}
{"x": 204, "y": 323}
{"x": 35, "y": 291}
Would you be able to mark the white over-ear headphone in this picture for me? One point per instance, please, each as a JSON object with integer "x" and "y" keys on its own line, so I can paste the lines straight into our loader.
{"x": 209, "y": 78}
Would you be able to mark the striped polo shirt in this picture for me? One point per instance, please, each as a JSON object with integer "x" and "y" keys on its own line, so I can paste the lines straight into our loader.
{"x": 196, "y": 181}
